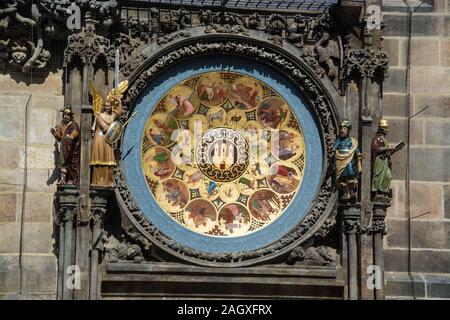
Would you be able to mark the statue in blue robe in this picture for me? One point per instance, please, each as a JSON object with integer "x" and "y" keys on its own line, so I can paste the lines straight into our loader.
{"x": 348, "y": 163}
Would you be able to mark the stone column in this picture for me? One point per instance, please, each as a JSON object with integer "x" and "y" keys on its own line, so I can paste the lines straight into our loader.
{"x": 99, "y": 202}
{"x": 378, "y": 230}
{"x": 351, "y": 226}
{"x": 87, "y": 45}
{"x": 67, "y": 197}
{"x": 367, "y": 64}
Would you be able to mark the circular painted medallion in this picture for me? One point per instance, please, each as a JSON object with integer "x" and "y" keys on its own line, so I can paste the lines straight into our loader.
{"x": 223, "y": 154}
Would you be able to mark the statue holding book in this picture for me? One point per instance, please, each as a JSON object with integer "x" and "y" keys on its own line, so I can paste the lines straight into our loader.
{"x": 381, "y": 163}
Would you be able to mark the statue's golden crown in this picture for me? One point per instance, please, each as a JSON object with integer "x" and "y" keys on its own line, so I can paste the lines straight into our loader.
{"x": 383, "y": 124}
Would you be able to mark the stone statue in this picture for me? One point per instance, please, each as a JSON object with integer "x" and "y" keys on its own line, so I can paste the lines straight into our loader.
{"x": 297, "y": 29}
{"x": 125, "y": 252}
{"x": 322, "y": 255}
{"x": 102, "y": 152}
{"x": 381, "y": 163}
{"x": 348, "y": 163}
{"x": 67, "y": 133}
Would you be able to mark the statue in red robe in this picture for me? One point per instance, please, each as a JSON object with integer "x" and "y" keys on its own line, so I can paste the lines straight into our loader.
{"x": 67, "y": 134}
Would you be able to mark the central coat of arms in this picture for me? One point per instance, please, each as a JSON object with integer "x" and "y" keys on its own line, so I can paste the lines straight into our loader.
{"x": 222, "y": 154}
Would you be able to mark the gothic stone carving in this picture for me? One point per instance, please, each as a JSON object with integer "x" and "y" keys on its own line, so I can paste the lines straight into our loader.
{"x": 365, "y": 62}
{"x": 18, "y": 50}
{"x": 320, "y": 105}
{"x": 123, "y": 251}
{"x": 103, "y": 11}
{"x": 352, "y": 226}
{"x": 311, "y": 34}
{"x": 378, "y": 226}
{"x": 170, "y": 37}
{"x": 323, "y": 256}
{"x": 325, "y": 228}
{"x": 132, "y": 246}
{"x": 45, "y": 20}
{"x": 87, "y": 45}
{"x": 126, "y": 45}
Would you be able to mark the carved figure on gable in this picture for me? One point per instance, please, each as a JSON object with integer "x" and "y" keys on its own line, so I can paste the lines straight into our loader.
{"x": 326, "y": 50}
{"x": 297, "y": 30}
{"x": 276, "y": 24}
{"x": 253, "y": 21}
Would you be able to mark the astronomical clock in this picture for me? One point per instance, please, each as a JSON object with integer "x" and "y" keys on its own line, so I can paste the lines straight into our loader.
{"x": 221, "y": 165}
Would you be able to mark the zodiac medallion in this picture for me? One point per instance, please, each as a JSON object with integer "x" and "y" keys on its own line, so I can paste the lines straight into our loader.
{"x": 223, "y": 154}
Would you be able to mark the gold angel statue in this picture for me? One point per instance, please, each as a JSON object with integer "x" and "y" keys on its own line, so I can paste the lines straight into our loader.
{"x": 106, "y": 111}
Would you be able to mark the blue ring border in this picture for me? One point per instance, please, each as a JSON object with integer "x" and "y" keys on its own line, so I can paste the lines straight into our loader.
{"x": 134, "y": 176}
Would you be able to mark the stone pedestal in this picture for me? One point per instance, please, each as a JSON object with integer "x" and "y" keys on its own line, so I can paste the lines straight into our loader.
{"x": 67, "y": 197}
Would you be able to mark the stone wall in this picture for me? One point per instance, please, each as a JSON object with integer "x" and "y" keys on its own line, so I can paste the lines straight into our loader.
{"x": 429, "y": 162}
{"x": 27, "y": 176}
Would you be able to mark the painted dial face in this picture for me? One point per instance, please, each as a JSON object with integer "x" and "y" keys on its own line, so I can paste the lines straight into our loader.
{"x": 223, "y": 154}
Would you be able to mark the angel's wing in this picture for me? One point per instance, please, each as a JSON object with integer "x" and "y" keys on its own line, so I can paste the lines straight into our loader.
{"x": 117, "y": 93}
{"x": 97, "y": 100}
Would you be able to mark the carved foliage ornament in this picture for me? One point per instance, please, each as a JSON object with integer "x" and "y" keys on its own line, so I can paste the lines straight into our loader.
{"x": 366, "y": 62}
{"x": 378, "y": 226}
{"x": 87, "y": 45}
{"x": 18, "y": 18}
{"x": 323, "y": 112}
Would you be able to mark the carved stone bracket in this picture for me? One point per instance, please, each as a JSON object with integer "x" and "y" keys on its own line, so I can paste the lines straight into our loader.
{"x": 67, "y": 199}
{"x": 352, "y": 226}
{"x": 351, "y": 214}
{"x": 379, "y": 218}
{"x": 378, "y": 226}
